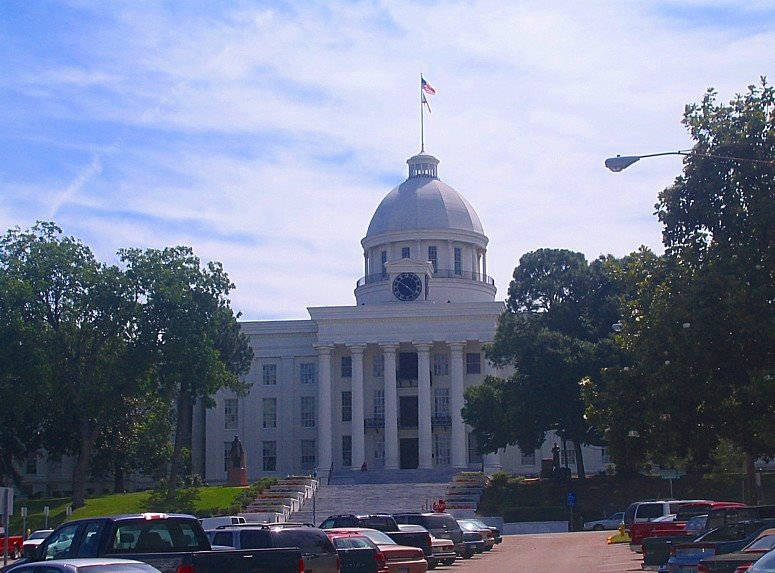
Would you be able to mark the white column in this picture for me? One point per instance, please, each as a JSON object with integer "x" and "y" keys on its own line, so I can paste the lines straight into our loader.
{"x": 424, "y": 428}
{"x": 484, "y": 264}
{"x": 325, "y": 455}
{"x": 458, "y": 446}
{"x": 492, "y": 461}
{"x": 357, "y": 394}
{"x": 391, "y": 407}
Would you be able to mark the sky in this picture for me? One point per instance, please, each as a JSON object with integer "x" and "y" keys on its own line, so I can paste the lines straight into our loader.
{"x": 265, "y": 134}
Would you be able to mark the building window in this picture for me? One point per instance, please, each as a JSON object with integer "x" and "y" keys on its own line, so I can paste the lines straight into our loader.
{"x": 270, "y": 413}
{"x": 347, "y": 366}
{"x": 433, "y": 257}
{"x": 347, "y": 406}
{"x": 230, "y": 413}
{"x": 441, "y": 449}
{"x": 269, "y": 374}
{"x": 605, "y": 456}
{"x": 458, "y": 261}
{"x": 270, "y": 456}
{"x": 379, "y": 403}
{"x": 405, "y": 252}
{"x": 528, "y": 458}
{"x": 441, "y": 401}
{"x": 31, "y": 465}
{"x": 384, "y": 263}
{"x": 226, "y": 456}
{"x": 570, "y": 455}
{"x": 473, "y": 363}
{"x": 378, "y": 366}
{"x": 307, "y": 411}
{"x": 347, "y": 451}
{"x": 307, "y": 372}
{"x": 308, "y": 454}
{"x": 379, "y": 451}
{"x": 441, "y": 364}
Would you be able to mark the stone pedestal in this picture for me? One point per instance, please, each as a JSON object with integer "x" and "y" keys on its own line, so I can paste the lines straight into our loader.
{"x": 237, "y": 477}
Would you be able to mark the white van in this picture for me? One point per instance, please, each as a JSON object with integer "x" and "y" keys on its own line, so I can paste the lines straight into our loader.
{"x": 650, "y": 510}
{"x": 213, "y": 522}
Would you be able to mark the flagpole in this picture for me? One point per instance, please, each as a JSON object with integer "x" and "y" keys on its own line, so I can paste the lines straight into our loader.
{"x": 422, "y": 121}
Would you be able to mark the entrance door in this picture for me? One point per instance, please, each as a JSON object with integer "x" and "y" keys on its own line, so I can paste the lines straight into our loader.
{"x": 410, "y": 453}
{"x": 407, "y": 412}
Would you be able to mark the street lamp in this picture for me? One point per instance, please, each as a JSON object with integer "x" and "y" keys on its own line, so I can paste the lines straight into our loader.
{"x": 622, "y": 162}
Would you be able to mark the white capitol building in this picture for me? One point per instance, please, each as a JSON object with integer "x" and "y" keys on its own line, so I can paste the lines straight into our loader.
{"x": 380, "y": 382}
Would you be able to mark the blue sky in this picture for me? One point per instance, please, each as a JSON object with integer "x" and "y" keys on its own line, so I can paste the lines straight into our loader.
{"x": 265, "y": 134}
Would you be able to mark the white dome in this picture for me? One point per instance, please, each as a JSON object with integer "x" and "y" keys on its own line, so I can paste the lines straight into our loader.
{"x": 423, "y": 202}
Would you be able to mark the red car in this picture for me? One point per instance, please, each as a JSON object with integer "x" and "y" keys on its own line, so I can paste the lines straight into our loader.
{"x": 357, "y": 552}
{"x": 398, "y": 558}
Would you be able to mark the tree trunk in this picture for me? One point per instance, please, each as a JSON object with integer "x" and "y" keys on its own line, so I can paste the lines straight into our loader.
{"x": 118, "y": 479}
{"x": 751, "y": 488}
{"x": 81, "y": 467}
{"x": 579, "y": 460}
{"x": 182, "y": 426}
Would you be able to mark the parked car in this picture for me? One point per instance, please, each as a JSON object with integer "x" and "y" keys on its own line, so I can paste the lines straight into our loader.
{"x": 213, "y": 522}
{"x": 727, "y": 539}
{"x": 385, "y": 523}
{"x": 764, "y": 565}
{"x": 730, "y": 562}
{"x": 398, "y": 558}
{"x": 170, "y": 542}
{"x": 317, "y": 550}
{"x": 649, "y": 510}
{"x": 34, "y": 540}
{"x": 442, "y": 525}
{"x": 495, "y": 531}
{"x": 357, "y": 553}
{"x": 14, "y": 543}
{"x": 88, "y": 565}
{"x": 487, "y": 535}
{"x": 611, "y": 522}
{"x": 443, "y": 550}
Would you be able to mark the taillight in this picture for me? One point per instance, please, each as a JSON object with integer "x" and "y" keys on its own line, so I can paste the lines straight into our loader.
{"x": 702, "y": 568}
{"x": 185, "y": 569}
{"x": 744, "y": 567}
{"x": 301, "y": 565}
{"x": 379, "y": 557}
{"x": 338, "y": 562}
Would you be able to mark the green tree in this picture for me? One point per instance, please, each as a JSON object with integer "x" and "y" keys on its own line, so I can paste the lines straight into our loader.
{"x": 189, "y": 335}
{"x": 698, "y": 322}
{"x": 559, "y": 313}
{"x": 80, "y": 314}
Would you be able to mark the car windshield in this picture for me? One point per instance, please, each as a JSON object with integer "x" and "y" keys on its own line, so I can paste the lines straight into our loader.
{"x": 478, "y": 523}
{"x": 468, "y": 526}
{"x": 762, "y": 544}
{"x": 352, "y": 543}
{"x": 378, "y": 537}
{"x": 39, "y": 534}
{"x": 764, "y": 565}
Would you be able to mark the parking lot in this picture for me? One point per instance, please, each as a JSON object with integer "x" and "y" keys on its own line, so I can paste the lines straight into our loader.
{"x": 582, "y": 552}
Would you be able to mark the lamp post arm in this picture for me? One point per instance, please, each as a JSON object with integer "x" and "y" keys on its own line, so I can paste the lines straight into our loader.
{"x": 620, "y": 163}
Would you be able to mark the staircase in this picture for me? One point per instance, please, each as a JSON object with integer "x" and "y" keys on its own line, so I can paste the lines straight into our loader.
{"x": 389, "y": 491}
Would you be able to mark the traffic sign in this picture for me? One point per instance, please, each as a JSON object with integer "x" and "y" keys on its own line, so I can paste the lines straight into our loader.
{"x": 571, "y": 499}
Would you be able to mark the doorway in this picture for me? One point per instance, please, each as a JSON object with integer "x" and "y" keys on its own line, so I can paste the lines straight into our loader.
{"x": 410, "y": 453}
{"x": 407, "y": 415}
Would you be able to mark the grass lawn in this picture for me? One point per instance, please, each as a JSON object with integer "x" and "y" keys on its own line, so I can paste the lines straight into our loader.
{"x": 210, "y": 498}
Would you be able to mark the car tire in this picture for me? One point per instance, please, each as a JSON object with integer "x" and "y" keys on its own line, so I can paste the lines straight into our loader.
{"x": 449, "y": 562}
{"x": 597, "y": 527}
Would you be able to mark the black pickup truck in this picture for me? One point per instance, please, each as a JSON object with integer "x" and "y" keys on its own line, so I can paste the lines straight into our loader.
{"x": 173, "y": 543}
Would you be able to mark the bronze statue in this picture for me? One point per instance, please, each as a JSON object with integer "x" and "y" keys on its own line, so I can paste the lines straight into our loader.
{"x": 237, "y": 453}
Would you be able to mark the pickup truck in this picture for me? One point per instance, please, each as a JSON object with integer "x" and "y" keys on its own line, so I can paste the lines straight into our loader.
{"x": 641, "y": 530}
{"x": 173, "y": 543}
{"x": 11, "y": 545}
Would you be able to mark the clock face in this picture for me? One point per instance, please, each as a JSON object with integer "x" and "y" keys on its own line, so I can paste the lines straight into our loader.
{"x": 407, "y": 286}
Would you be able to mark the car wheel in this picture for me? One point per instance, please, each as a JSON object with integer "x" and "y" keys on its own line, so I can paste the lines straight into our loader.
{"x": 468, "y": 555}
{"x": 597, "y": 527}
{"x": 449, "y": 562}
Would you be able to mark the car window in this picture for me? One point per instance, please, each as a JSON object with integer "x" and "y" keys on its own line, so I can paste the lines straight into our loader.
{"x": 763, "y": 543}
{"x": 764, "y": 565}
{"x": 378, "y": 522}
{"x": 254, "y": 539}
{"x": 90, "y": 539}
{"x": 157, "y": 536}
{"x": 351, "y": 543}
{"x": 60, "y": 544}
{"x": 306, "y": 539}
{"x": 223, "y": 538}
{"x": 649, "y": 510}
{"x": 378, "y": 537}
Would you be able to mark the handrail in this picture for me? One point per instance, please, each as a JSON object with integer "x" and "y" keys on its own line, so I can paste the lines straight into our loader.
{"x": 438, "y": 274}
{"x": 330, "y": 471}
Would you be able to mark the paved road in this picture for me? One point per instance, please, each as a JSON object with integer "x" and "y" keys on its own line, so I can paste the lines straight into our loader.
{"x": 582, "y": 552}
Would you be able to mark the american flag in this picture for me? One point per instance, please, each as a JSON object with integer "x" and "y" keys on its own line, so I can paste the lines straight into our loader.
{"x": 426, "y": 87}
